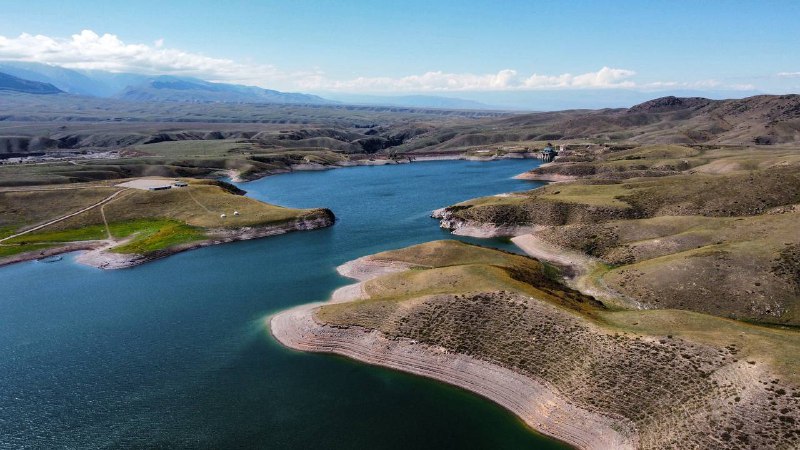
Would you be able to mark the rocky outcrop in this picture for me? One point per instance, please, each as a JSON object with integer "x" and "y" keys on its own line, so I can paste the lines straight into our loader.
{"x": 504, "y": 220}
{"x": 464, "y": 227}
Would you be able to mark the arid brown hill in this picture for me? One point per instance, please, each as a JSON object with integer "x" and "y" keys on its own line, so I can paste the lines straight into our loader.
{"x": 763, "y": 119}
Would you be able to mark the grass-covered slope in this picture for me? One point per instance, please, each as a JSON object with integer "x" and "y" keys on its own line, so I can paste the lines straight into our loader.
{"x": 454, "y": 267}
{"x": 716, "y": 233}
{"x": 136, "y": 221}
{"x": 684, "y": 380}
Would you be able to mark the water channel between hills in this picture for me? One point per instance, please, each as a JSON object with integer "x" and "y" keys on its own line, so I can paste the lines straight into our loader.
{"x": 175, "y": 353}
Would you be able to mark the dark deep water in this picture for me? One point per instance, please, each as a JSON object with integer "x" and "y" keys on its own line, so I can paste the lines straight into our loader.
{"x": 175, "y": 353}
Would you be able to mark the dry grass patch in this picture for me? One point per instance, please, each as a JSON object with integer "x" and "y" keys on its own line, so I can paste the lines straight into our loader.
{"x": 23, "y": 209}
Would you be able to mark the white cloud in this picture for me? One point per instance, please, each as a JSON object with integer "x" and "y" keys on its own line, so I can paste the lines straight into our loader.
{"x": 504, "y": 80}
{"x": 789, "y": 74}
{"x": 89, "y": 50}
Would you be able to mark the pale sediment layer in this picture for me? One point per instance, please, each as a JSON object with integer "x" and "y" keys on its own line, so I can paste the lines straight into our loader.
{"x": 465, "y": 157}
{"x": 349, "y": 163}
{"x": 579, "y": 269}
{"x": 552, "y": 177}
{"x": 534, "y": 401}
{"x": 402, "y": 159}
{"x": 406, "y": 159}
{"x": 103, "y": 258}
{"x": 366, "y": 268}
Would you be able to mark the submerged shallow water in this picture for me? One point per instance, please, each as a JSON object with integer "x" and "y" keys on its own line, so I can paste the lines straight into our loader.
{"x": 175, "y": 353}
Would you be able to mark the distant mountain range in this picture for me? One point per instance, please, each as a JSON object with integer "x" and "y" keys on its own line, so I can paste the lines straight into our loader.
{"x": 166, "y": 88}
{"x": 90, "y": 83}
{"x": 16, "y": 84}
{"x": 175, "y": 89}
{"x": 137, "y": 87}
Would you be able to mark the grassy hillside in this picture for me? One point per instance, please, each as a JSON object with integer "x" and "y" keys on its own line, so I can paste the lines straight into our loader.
{"x": 703, "y": 229}
{"x": 684, "y": 379}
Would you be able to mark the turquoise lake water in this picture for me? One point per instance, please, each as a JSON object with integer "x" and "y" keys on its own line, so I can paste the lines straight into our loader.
{"x": 175, "y": 354}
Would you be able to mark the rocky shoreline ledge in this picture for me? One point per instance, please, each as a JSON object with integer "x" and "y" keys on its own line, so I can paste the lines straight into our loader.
{"x": 535, "y": 402}
{"x": 462, "y": 227}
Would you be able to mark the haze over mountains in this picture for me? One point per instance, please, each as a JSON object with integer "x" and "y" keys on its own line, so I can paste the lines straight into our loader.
{"x": 172, "y": 88}
{"x": 139, "y": 87}
{"x": 12, "y": 83}
{"x": 89, "y": 83}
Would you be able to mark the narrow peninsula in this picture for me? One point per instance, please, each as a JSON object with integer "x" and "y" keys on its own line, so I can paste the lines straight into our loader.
{"x": 129, "y": 222}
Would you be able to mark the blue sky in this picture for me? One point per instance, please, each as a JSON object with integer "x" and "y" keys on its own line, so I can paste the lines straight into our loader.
{"x": 454, "y": 48}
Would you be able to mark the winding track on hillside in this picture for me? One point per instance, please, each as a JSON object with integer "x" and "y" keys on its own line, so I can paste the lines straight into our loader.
{"x": 46, "y": 224}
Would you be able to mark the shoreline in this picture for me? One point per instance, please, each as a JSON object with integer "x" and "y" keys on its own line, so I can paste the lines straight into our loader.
{"x": 552, "y": 178}
{"x": 96, "y": 254}
{"x": 533, "y": 401}
{"x": 236, "y": 177}
{"x": 549, "y": 177}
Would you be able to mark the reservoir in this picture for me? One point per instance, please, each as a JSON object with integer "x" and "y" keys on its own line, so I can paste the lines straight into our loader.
{"x": 175, "y": 353}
